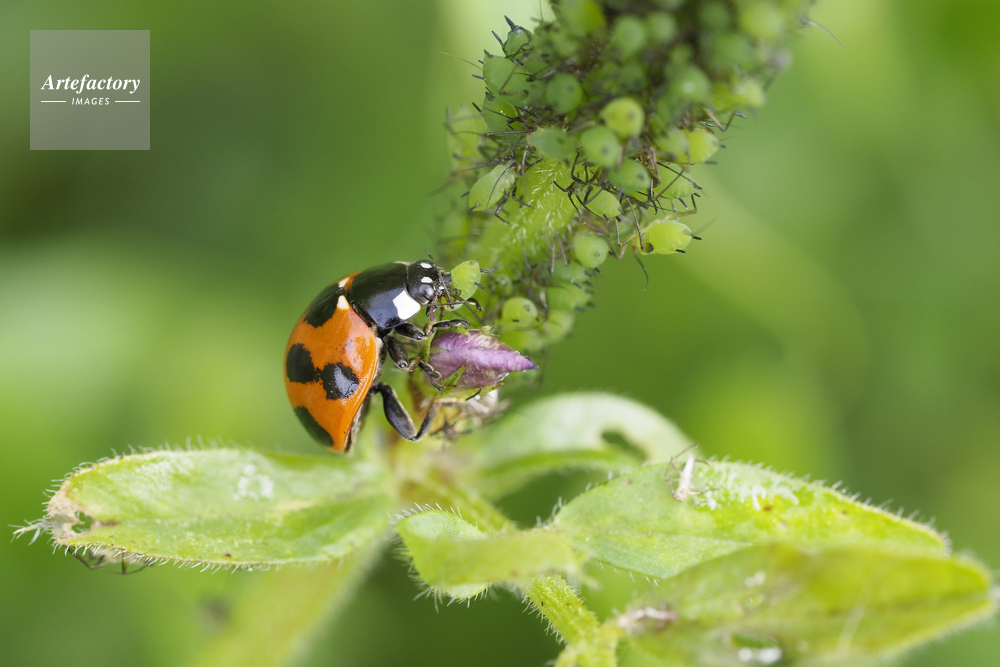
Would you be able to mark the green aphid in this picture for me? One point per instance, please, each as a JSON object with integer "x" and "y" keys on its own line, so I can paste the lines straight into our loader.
{"x": 464, "y": 278}
{"x": 582, "y": 17}
{"x": 558, "y": 325}
{"x": 491, "y": 188}
{"x": 703, "y": 145}
{"x": 630, "y": 177}
{"x": 761, "y": 19}
{"x": 565, "y": 44}
{"x": 564, "y": 93}
{"x": 553, "y": 142}
{"x": 590, "y": 249}
{"x": 519, "y": 313}
{"x": 660, "y": 28}
{"x": 750, "y": 93}
{"x": 604, "y": 204}
{"x": 568, "y": 289}
{"x": 714, "y": 15}
{"x": 523, "y": 340}
{"x": 674, "y": 145}
{"x": 517, "y": 38}
{"x": 632, "y": 77}
{"x": 690, "y": 84}
{"x": 731, "y": 50}
{"x": 506, "y": 80}
{"x": 628, "y": 37}
{"x": 600, "y": 146}
{"x": 673, "y": 185}
{"x": 743, "y": 93}
{"x": 500, "y": 116}
{"x": 667, "y": 237}
{"x": 624, "y": 116}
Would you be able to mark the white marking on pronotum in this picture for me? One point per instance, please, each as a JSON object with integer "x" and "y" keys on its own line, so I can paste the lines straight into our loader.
{"x": 406, "y": 306}
{"x": 342, "y": 303}
{"x": 425, "y": 279}
{"x": 426, "y": 265}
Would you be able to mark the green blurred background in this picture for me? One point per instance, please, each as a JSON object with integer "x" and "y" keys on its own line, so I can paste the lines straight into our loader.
{"x": 840, "y": 319}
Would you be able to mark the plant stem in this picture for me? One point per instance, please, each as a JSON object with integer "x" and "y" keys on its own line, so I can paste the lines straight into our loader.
{"x": 588, "y": 642}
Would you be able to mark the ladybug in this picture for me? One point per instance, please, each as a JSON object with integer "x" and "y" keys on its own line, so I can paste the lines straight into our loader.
{"x": 335, "y": 354}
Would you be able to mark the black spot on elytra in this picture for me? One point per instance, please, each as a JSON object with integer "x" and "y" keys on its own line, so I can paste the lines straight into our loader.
{"x": 299, "y": 365}
{"x": 318, "y": 433}
{"x": 323, "y": 306}
{"x": 339, "y": 381}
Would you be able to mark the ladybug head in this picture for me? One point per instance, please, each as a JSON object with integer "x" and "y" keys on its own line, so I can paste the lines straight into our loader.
{"x": 426, "y": 282}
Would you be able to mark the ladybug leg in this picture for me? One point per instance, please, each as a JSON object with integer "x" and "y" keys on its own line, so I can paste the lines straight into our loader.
{"x": 397, "y": 353}
{"x": 432, "y": 374}
{"x": 400, "y": 419}
{"x": 395, "y": 413}
{"x": 399, "y": 357}
{"x": 411, "y": 331}
{"x": 445, "y": 324}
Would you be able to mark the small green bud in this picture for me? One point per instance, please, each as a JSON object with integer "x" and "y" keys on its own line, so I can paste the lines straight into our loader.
{"x": 703, "y": 145}
{"x": 675, "y": 145}
{"x": 624, "y": 116}
{"x": 629, "y": 35}
{"x": 630, "y": 177}
{"x": 564, "y": 92}
{"x": 714, "y": 15}
{"x": 660, "y": 27}
{"x": 761, "y": 19}
{"x": 519, "y": 313}
{"x": 490, "y": 189}
{"x": 664, "y": 238}
{"x": 589, "y": 249}
{"x": 464, "y": 277}
{"x": 553, "y": 142}
{"x": 582, "y": 16}
{"x": 600, "y": 146}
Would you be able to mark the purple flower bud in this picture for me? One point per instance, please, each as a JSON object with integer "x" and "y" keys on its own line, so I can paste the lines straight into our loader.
{"x": 485, "y": 359}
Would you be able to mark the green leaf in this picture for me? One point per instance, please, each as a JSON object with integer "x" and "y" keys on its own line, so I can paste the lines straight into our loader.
{"x": 779, "y": 604}
{"x": 635, "y": 522}
{"x": 592, "y": 431}
{"x": 223, "y": 506}
{"x": 455, "y": 557}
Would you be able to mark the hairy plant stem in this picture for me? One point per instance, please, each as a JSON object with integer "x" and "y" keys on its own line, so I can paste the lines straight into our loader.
{"x": 587, "y": 641}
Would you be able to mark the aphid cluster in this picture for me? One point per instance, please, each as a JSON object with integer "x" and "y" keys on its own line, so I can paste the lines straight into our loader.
{"x": 585, "y": 142}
